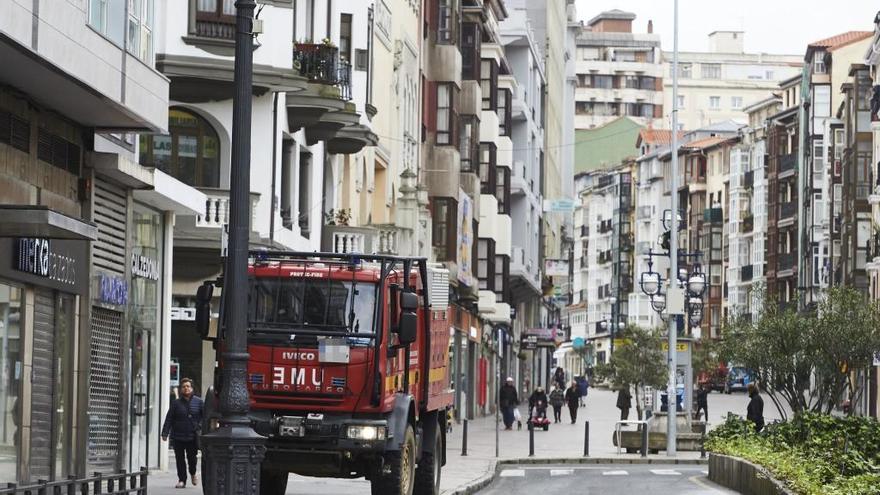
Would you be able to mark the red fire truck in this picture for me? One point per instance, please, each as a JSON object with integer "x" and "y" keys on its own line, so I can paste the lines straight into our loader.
{"x": 348, "y": 372}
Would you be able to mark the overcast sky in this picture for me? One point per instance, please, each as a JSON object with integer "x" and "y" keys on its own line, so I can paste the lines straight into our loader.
{"x": 771, "y": 26}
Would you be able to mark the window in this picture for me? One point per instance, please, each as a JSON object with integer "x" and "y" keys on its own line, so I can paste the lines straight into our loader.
{"x": 58, "y": 151}
{"x": 710, "y": 71}
{"x": 502, "y": 189}
{"x": 108, "y": 18}
{"x": 822, "y": 101}
{"x": 489, "y": 83}
{"x": 736, "y": 102}
{"x": 345, "y": 37}
{"x": 646, "y": 82}
{"x": 215, "y": 19}
{"x": 15, "y": 131}
{"x": 443, "y": 220}
{"x": 680, "y": 101}
{"x": 11, "y": 362}
{"x": 504, "y": 112}
{"x": 190, "y": 153}
{"x": 839, "y": 137}
{"x": 361, "y": 59}
{"x": 502, "y": 276}
{"x": 631, "y": 82}
{"x": 818, "y": 156}
{"x": 714, "y": 102}
{"x": 603, "y": 82}
{"x": 624, "y": 56}
{"x": 488, "y": 158}
{"x": 819, "y": 63}
{"x": 470, "y": 51}
{"x": 140, "y": 29}
{"x": 446, "y": 22}
{"x": 447, "y": 114}
{"x": 468, "y": 137}
{"x": 486, "y": 263}
{"x": 685, "y": 71}
{"x": 769, "y": 75}
{"x": 589, "y": 53}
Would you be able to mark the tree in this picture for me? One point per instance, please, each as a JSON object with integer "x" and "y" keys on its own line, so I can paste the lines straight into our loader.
{"x": 808, "y": 360}
{"x": 638, "y": 362}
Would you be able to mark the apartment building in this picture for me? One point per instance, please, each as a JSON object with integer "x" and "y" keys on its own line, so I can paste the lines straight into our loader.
{"x": 717, "y": 85}
{"x": 619, "y": 72}
{"x": 88, "y": 235}
{"x": 872, "y": 267}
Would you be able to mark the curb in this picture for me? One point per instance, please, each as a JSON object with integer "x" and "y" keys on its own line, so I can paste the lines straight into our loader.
{"x": 487, "y": 479}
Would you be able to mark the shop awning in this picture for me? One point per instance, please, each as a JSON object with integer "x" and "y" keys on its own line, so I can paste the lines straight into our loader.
{"x": 40, "y": 221}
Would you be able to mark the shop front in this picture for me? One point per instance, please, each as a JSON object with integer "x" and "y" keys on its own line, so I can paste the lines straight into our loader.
{"x": 465, "y": 330}
{"x": 42, "y": 282}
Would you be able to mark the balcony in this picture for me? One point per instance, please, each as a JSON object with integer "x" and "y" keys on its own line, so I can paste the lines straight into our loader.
{"x": 605, "y": 226}
{"x": 605, "y": 256}
{"x": 787, "y": 163}
{"x": 787, "y": 210}
{"x": 320, "y": 64}
{"x": 748, "y": 224}
{"x": 746, "y": 273}
{"x": 376, "y": 239}
{"x": 786, "y": 261}
{"x": 216, "y": 212}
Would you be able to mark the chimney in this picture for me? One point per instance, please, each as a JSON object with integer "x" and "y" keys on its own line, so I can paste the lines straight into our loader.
{"x": 650, "y": 26}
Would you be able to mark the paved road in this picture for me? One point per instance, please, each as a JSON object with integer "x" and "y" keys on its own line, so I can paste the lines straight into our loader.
{"x": 611, "y": 479}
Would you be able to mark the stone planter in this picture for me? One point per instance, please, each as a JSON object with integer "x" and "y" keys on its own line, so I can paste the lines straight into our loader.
{"x": 744, "y": 477}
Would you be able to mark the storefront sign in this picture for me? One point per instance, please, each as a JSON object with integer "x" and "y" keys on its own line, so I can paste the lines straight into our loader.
{"x": 113, "y": 290}
{"x": 144, "y": 267}
{"x": 465, "y": 238}
{"x": 59, "y": 264}
{"x": 556, "y": 268}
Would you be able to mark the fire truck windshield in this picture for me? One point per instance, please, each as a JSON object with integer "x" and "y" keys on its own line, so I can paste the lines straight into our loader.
{"x": 330, "y": 306}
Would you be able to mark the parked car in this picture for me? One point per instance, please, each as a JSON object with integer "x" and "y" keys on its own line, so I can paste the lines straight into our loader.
{"x": 738, "y": 380}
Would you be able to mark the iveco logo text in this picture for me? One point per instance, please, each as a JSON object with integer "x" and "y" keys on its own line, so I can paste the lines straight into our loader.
{"x": 298, "y": 356}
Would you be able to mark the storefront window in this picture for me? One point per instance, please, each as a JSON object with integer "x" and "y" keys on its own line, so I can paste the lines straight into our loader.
{"x": 146, "y": 329}
{"x": 10, "y": 381}
{"x": 190, "y": 153}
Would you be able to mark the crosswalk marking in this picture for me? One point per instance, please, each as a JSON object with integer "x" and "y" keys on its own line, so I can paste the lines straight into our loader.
{"x": 666, "y": 472}
{"x": 561, "y": 472}
{"x": 614, "y": 473}
{"x": 513, "y": 473}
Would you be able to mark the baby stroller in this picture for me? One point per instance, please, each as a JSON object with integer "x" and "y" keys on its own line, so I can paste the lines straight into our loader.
{"x": 538, "y": 416}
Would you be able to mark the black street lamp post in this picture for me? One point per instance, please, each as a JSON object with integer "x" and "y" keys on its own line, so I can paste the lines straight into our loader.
{"x": 234, "y": 451}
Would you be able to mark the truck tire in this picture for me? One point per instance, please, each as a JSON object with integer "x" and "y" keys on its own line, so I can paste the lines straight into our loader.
{"x": 398, "y": 473}
{"x": 429, "y": 468}
{"x": 273, "y": 482}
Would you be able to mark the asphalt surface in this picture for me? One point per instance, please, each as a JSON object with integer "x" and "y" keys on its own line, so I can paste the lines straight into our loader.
{"x": 628, "y": 479}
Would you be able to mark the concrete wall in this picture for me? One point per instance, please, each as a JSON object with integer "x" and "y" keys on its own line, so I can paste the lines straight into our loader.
{"x": 743, "y": 476}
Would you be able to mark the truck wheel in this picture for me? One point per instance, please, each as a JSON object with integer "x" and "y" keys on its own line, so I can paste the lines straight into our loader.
{"x": 398, "y": 473}
{"x": 273, "y": 481}
{"x": 428, "y": 470}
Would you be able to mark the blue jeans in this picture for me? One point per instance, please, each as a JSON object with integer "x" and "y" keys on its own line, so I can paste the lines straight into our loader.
{"x": 507, "y": 413}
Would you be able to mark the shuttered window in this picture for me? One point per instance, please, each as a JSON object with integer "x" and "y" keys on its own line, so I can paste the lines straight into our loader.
{"x": 15, "y": 131}
{"x": 58, "y": 151}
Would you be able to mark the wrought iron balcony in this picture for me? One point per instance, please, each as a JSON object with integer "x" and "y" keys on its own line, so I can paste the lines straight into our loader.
{"x": 320, "y": 64}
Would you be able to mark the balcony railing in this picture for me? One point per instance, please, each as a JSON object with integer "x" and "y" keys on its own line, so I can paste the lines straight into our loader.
{"x": 787, "y": 261}
{"x": 787, "y": 162}
{"x": 746, "y": 273}
{"x": 121, "y": 483}
{"x": 787, "y": 210}
{"x": 381, "y": 239}
{"x": 320, "y": 63}
{"x": 216, "y": 213}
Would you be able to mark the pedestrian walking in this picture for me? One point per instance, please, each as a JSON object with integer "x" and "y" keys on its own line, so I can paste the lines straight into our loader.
{"x": 702, "y": 399}
{"x": 183, "y": 424}
{"x": 508, "y": 401}
{"x": 624, "y": 402}
{"x": 559, "y": 377}
{"x": 583, "y": 387}
{"x": 755, "y": 409}
{"x": 557, "y": 399}
{"x": 572, "y": 396}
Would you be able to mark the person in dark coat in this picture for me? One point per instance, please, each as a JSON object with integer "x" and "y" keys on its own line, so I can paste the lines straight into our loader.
{"x": 583, "y": 387}
{"x": 559, "y": 377}
{"x": 624, "y": 402}
{"x": 183, "y": 424}
{"x": 537, "y": 399}
{"x": 755, "y": 410}
{"x": 508, "y": 401}
{"x": 572, "y": 396}
{"x": 702, "y": 400}
{"x": 557, "y": 399}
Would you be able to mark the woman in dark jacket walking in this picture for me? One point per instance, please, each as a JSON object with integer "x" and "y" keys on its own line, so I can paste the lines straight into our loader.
{"x": 755, "y": 410}
{"x": 572, "y": 396}
{"x": 624, "y": 402}
{"x": 557, "y": 398}
{"x": 183, "y": 423}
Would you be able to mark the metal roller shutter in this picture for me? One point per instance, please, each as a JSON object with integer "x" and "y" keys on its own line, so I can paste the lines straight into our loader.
{"x": 42, "y": 385}
{"x": 105, "y": 377}
{"x": 110, "y": 216}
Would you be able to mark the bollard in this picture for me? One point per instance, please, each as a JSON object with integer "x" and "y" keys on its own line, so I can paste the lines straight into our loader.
{"x": 644, "y": 428}
{"x": 531, "y": 440}
{"x": 586, "y": 439}
{"x": 703, "y": 442}
{"x": 464, "y": 436}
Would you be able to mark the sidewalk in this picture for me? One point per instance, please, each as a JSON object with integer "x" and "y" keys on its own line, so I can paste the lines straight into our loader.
{"x": 563, "y": 440}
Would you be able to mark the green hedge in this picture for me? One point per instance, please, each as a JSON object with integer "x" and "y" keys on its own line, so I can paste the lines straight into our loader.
{"x": 812, "y": 454}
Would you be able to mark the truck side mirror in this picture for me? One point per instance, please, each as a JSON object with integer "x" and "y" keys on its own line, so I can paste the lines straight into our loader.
{"x": 409, "y": 301}
{"x": 203, "y": 309}
{"x": 406, "y": 331}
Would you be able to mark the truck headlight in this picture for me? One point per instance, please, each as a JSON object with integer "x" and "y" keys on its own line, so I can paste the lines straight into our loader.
{"x": 365, "y": 432}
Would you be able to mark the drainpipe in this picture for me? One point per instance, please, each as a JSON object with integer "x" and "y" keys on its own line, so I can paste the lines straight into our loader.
{"x": 274, "y": 201}
{"x": 802, "y": 181}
